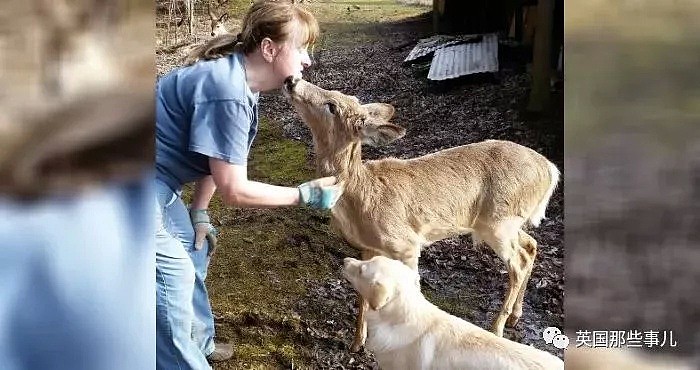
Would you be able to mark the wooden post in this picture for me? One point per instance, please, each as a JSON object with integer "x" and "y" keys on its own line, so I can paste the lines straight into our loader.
{"x": 438, "y": 13}
{"x": 518, "y": 21}
{"x": 540, "y": 94}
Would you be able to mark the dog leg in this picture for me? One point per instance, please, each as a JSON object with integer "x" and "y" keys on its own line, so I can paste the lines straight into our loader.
{"x": 529, "y": 244}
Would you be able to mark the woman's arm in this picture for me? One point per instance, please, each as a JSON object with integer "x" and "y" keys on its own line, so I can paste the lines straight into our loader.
{"x": 203, "y": 191}
{"x": 236, "y": 189}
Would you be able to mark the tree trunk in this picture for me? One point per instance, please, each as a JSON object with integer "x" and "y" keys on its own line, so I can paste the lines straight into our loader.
{"x": 539, "y": 94}
{"x": 189, "y": 6}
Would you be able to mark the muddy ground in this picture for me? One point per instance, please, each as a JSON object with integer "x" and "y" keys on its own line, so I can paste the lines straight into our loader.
{"x": 275, "y": 282}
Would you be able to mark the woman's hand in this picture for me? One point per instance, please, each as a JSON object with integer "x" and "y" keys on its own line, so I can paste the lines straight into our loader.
{"x": 203, "y": 229}
{"x": 321, "y": 193}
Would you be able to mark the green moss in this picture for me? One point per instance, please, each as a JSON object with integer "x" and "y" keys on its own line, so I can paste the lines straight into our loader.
{"x": 264, "y": 352}
{"x": 351, "y": 23}
{"x": 363, "y": 12}
{"x": 278, "y": 160}
{"x": 257, "y": 277}
{"x": 459, "y": 306}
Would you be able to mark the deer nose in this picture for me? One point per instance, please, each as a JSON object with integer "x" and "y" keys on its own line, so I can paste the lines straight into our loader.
{"x": 290, "y": 82}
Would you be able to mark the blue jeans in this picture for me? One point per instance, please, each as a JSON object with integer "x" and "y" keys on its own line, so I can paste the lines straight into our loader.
{"x": 76, "y": 280}
{"x": 184, "y": 321}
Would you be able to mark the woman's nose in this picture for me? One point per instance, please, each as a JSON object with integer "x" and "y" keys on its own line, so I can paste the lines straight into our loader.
{"x": 305, "y": 59}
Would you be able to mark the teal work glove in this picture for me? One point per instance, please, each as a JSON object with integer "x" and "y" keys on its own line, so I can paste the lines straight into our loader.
{"x": 321, "y": 193}
{"x": 203, "y": 229}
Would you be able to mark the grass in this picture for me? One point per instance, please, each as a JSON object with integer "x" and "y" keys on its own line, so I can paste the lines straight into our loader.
{"x": 349, "y": 23}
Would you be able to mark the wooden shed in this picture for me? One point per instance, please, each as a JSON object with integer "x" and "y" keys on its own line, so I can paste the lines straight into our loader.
{"x": 535, "y": 23}
{"x": 470, "y": 16}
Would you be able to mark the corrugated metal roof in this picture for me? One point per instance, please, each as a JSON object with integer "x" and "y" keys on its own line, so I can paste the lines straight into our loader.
{"x": 465, "y": 58}
{"x": 428, "y": 46}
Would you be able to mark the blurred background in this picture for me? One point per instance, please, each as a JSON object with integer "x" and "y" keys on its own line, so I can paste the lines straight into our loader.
{"x": 632, "y": 142}
{"x": 76, "y": 144}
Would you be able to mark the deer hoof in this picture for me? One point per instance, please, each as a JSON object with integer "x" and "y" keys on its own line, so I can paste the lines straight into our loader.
{"x": 512, "y": 321}
{"x": 356, "y": 346}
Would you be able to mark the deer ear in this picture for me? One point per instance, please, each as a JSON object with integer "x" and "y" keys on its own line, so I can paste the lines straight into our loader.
{"x": 382, "y": 134}
{"x": 379, "y": 110}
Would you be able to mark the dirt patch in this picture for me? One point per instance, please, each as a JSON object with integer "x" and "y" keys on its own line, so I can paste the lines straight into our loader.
{"x": 275, "y": 284}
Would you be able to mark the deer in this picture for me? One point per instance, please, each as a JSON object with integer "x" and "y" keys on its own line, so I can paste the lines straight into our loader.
{"x": 217, "y": 21}
{"x": 394, "y": 207}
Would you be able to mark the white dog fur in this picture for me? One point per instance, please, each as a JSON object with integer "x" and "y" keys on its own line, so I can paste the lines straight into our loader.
{"x": 406, "y": 332}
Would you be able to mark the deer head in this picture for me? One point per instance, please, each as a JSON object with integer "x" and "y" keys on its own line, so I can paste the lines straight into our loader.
{"x": 218, "y": 14}
{"x": 336, "y": 119}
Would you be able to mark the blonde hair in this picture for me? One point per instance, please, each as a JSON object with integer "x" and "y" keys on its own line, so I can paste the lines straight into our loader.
{"x": 280, "y": 21}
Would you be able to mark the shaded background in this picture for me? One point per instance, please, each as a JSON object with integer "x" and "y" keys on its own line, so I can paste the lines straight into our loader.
{"x": 632, "y": 116}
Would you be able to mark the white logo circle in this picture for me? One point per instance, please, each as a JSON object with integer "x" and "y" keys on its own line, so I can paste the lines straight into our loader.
{"x": 560, "y": 341}
{"x": 549, "y": 334}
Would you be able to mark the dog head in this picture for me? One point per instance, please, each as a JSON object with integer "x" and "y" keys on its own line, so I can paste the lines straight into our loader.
{"x": 379, "y": 279}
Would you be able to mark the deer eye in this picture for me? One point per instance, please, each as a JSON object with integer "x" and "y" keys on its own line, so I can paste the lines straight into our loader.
{"x": 330, "y": 106}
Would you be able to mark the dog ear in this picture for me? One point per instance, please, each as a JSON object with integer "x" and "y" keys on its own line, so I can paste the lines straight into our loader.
{"x": 379, "y": 295}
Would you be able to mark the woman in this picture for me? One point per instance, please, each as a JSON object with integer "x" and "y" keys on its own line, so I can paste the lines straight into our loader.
{"x": 207, "y": 117}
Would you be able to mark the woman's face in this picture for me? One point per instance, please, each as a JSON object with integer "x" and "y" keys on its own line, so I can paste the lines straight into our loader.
{"x": 290, "y": 60}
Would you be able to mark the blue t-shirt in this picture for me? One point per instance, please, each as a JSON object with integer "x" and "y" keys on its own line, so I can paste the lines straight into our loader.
{"x": 203, "y": 110}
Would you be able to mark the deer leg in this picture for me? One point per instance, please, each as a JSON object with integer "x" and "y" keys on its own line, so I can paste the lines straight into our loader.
{"x": 362, "y": 307}
{"x": 529, "y": 244}
{"x": 504, "y": 240}
{"x": 360, "y": 325}
{"x": 411, "y": 260}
